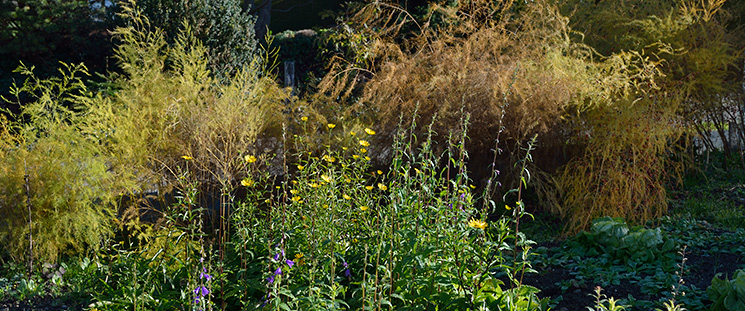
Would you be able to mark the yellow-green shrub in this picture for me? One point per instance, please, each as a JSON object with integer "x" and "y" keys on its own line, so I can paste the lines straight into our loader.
{"x": 169, "y": 114}
{"x": 625, "y": 167}
{"x": 63, "y": 169}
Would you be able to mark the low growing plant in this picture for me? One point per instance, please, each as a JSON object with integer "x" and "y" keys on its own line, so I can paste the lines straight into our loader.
{"x": 728, "y": 294}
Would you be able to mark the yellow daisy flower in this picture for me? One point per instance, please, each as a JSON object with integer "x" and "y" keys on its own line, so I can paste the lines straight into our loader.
{"x": 364, "y": 143}
{"x": 304, "y": 119}
{"x": 247, "y": 182}
{"x": 326, "y": 178}
{"x": 477, "y": 224}
{"x": 187, "y": 158}
{"x": 329, "y": 158}
{"x": 250, "y": 159}
{"x": 331, "y": 125}
{"x": 300, "y": 167}
{"x": 382, "y": 187}
{"x": 363, "y": 208}
{"x": 369, "y": 131}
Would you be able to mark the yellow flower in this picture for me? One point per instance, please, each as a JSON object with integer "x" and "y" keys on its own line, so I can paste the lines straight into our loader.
{"x": 329, "y": 158}
{"x": 344, "y": 148}
{"x": 294, "y": 182}
{"x": 417, "y": 170}
{"x": 348, "y": 180}
{"x": 369, "y": 131}
{"x": 507, "y": 207}
{"x": 367, "y": 158}
{"x": 369, "y": 187}
{"x": 346, "y": 197}
{"x": 314, "y": 185}
{"x": 363, "y": 150}
{"x": 380, "y": 172}
{"x": 326, "y": 178}
{"x": 296, "y": 198}
{"x": 293, "y": 191}
{"x": 472, "y": 186}
{"x": 363, "y": 208}
{"x": 364, "y": 143}
{"x": 331, "y": 125}
{"x": 187, "y": 157}
{"x": 325, "y": 206}
{"x": 304, "y": 118}
{"x": 268, "y": 201}
{"x": 354, "y": 240}
{"x": 300, "y": 167}
{"x": 477, "y": 224}
{"x": 247, "y": 182}
{"x": 352, "y": 133}
{"x": 354, "y": 156}
{"x": 382, "y": 187}
{"x": 250, "y": 159}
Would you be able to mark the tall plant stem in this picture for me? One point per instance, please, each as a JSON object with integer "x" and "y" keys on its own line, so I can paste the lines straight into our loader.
{"x": 28, "y": 207}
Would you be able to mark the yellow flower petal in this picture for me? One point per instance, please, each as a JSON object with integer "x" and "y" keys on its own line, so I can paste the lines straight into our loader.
{"x": 300, "y": 167}
{"x": 477, "y": 224}
{"x": 331, "y": 125}
{"x": 369, "y": 187}
{"x": 382, "y": 187}
{"x": 363, "y": 208}
{"x": 364, "y": 143}
{"x": 326, "y": 178}
{"x": 247, "y": 182}
{"x": 369, "y": 131}
{"x": 304, "y": 118}
{"x": 187, "y": 157}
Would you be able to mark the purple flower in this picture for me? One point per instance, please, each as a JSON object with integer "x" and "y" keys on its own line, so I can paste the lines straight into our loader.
{"x": 347, "y": 273}
{"x": 200, "y": 292}
{"x": 270, "y": 279}
{"x": 278, "y": 272}
{"x": 204, "y": 274}
{"x": 276, "y": 257}
{"x": 345, "y": 265}
{"x": 290, "y": 263}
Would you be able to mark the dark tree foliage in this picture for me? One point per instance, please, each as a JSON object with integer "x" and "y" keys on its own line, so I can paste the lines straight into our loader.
{"x": 222, "y": 25}
{"x": 42, "y": 33}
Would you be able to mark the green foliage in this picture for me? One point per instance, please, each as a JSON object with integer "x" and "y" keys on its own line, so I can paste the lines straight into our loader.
{"x": 225, "y": 29}
{"x": 614, "y": 237}
{"x": 340, "y": 234}
{"x": 728, "y": 294}
{"x": 53, "y": 168}
{"x": 42, "y": 33}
